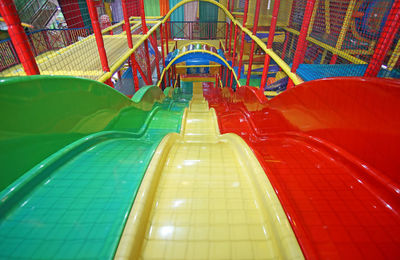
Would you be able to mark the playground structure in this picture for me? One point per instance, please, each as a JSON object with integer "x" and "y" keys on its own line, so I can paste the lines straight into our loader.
{"x": 303, "y": 40}
{"x": 242, "y": 129}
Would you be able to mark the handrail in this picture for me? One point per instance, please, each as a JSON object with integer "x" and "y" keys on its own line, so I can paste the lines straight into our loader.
{"x": 118, "y": 64}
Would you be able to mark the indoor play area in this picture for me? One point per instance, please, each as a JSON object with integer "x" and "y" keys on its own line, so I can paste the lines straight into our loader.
{"x": 199, "y": 129}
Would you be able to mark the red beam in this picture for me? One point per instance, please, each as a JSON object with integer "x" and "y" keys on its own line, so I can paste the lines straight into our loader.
{"x": 146, "y": 42}
{"x": 130, "y": 45}
{"x": 162, "y": 45}
{"x": 155, "y": 47}
{"x": 385, "y": 40}
{"x": 234, "y": 54}
{"x": 271, "y": 35}
{"x": 230, "y": 8}
{"x": 18, "y": 37}
{"x": 99, "y": 38}
{"x": 253, "y": 43}
{"x": 301, "y": 42}
{"x": 246, "y": 8}
{"x": 134, "y": 66}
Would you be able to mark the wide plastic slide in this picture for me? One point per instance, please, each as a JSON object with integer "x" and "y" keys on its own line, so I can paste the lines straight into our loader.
{"x": 73, "y": 203}
{"x": 205, "y": 196}
{"x": 329, "y": 148}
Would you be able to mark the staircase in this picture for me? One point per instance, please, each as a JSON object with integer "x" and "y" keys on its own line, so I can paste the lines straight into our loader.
{"x": 37, "y": 12}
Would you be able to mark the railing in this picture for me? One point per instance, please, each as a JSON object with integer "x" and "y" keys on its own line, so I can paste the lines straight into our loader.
{"x": 197, "y": 30}
{"x": 42, "y": 41}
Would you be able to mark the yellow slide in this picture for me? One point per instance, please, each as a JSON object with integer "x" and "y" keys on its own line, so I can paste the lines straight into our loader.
{"x": 205, "y": 196}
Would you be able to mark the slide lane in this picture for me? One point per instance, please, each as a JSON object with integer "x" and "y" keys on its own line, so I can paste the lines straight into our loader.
{"x": 331, "y": 159}
{"x": 205, "y": 196}
{"x": 74, "y": 204}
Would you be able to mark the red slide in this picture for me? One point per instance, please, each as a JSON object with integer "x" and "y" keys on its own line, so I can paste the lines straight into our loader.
{"x": 331, "y": 150}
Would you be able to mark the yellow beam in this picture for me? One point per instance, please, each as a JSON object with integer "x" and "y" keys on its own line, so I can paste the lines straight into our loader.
{"x": 346, "y": 24}
{"x": 115, "y": 67}
{"x": 327, "y": 17}
{"x": 198, "y": 51}
{"x": 395, "y": 57}
{"x": 329, "y": 48}
{"x": 314, "y": 13}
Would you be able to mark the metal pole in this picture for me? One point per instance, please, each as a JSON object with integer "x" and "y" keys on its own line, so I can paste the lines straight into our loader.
{"x": 385, "y": 41}
{"x": 18, "y": 37}
{"x": 246, "y": 9}
{"x": 99, "y": 38}
{"x": 301, "y": 42}
{"x": 271, "y": 35}
{"x": 253, "y": 42}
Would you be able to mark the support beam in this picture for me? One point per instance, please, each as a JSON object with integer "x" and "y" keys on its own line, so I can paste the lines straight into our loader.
{"x": 18, "y": 37}
{"x": 253, "y": 43}
{"x": 302, "y": 42}
{"x": 99, "y": 38}
{"x": 130, "y": 45}
{"x": 146, "y": 42}
{"x": 267, "y": 60}
{"x": 385, "y": 41}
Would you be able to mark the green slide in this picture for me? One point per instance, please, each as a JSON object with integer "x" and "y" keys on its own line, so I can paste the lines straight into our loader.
{"x": 73, "y": 154}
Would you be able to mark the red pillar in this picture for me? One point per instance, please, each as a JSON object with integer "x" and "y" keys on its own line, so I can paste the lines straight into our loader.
{"x": 301, "y": 42}
{"x": 255, "y": 25}
{"x": 18, "y": 37}
{"x": 99, "y": 38}
{"x": 285, "y": 46}
{"x": 230, "y": 42}
{"x": 154, "y": 43}
{"x": 146, "y": 42}
{"x": 246, "y": 8}
{"x": 166, "y": 38}
{"x": 130, "y": 45}
{"x": 234, "y": 55}
{"x": 162, "y": 45}
{"x": 134, "y": 67}
{"x": 385, "y": 41}
{"x": 274, "y": 19}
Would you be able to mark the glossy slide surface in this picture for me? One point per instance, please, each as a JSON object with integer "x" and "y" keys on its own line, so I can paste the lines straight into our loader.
{"x": 74, "y": 203}
{"x": 330, "y": 149}
{"x": 205, "y": 196}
